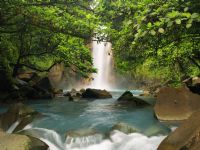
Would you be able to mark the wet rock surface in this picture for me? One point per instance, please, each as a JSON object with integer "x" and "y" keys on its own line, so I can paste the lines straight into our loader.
{"x": 185, "y": 137}
{"x": 96, "y": 94}
{"x": 128, "y": 99}
{"x": 17, "y": 112}
{"x": 176, "y": 104}
{"x": 20, "y": 142}
{"x": 125, "y": 128}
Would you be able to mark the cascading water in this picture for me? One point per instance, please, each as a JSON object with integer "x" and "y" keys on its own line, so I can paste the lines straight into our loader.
{"x": 13, "y": 126}
{"x": 102, "y": 59}
{"x": 84, "y": 141}
{"x": 117, "y": 141}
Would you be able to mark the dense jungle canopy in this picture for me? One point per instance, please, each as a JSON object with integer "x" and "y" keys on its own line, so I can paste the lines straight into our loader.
{"x": 151, "y": 39}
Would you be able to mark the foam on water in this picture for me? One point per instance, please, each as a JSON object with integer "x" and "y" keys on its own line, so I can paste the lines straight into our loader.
{"x": 84, "y": 141}
{"x": 121, "y": 141}
{"x": 117, "y": 141}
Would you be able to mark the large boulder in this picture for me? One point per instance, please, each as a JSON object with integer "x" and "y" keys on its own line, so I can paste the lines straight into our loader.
{"x": 96, "y": 94}
{"x": 74, "y": 95}
{"x": 44, "y": 88}
{"x": 20, "y": 142}
{"x": 128, "y": 98}
{"x": 17, "y": 112}
{"x": 185, "y": 137}
{"x": 44, "y": 84}
{"x": 176, "y": 104}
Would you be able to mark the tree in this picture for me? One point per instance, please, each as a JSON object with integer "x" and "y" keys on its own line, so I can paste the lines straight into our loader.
{"x": 39, "y": 34}
{"x": 163, "y": 36}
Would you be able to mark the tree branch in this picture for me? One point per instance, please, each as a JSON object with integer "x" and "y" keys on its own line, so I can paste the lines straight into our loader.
{"x": 38, "y": 69}
{"x": 53, "y": 3}
{"x": 56, "y": 30}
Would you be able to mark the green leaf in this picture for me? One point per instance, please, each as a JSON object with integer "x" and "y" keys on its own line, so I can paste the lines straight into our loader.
{"x": 185, "y": 9}
{"x": 149, "y": 25}
{"x": 190, "y": 21}
{"x": 153, "y": 32}
{"x": 169, "y": 24}
{"x": 173, "y": 14}
{"x": 161, "y": 30}
{"x": 157, "y": 23}
{"x": 187, "y": 15}
{"x": 188, "y": 25}
{"x": 195, "y": 15}
{"x": 178, "y": 21}
{"x": 136, "y": 35}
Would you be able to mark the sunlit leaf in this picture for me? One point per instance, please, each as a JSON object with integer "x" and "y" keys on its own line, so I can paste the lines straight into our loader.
{"x": 178, "y": 21}
{"x": 149, "y": 25}
{"x": 195, "y": 15}
{"x": 153, "y": 32}
{"x": 188, "y": 25}
{"x": 186, "y": 9}
{"x": 161, "y": 30}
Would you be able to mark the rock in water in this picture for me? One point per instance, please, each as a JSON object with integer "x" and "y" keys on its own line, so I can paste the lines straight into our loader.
{"x": 81, "y": 132}
{"x": 128, "y": 98}
{"x": 20, "y": 142}
{"x": 125, "y": 128}
{"x": 17, "y": 112}
{"x": 96, "y": 94}
{"x": 176, "y": 104}
{"x": 186, "y": 137}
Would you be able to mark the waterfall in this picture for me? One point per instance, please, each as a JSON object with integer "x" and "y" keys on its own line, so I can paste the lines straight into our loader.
{"x": 102, "y": 60}
{"x": 50, "y": 137}
{"x": 13, "y": 126}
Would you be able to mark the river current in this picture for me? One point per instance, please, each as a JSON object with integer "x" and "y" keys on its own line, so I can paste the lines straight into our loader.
{"x": 61, "y": 116}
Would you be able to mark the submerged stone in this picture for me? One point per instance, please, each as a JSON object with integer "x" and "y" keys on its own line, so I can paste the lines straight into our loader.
{"x": 125, "y": 128}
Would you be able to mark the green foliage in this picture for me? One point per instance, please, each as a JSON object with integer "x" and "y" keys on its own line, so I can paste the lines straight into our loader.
{"x": 153, "y": 39}
{"x": 38, "y": 34}
{"x": 165, "y": 33}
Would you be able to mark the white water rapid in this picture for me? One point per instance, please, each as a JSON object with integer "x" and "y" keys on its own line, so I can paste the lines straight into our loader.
{"x": 13, "y": 126}
{"x": 102, "y": 59}
{"x": 117, "y": 141}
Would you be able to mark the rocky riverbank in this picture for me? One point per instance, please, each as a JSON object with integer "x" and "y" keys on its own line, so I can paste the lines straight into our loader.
{"x": 27, "y": 86}
{"x": 13, "y": 120}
